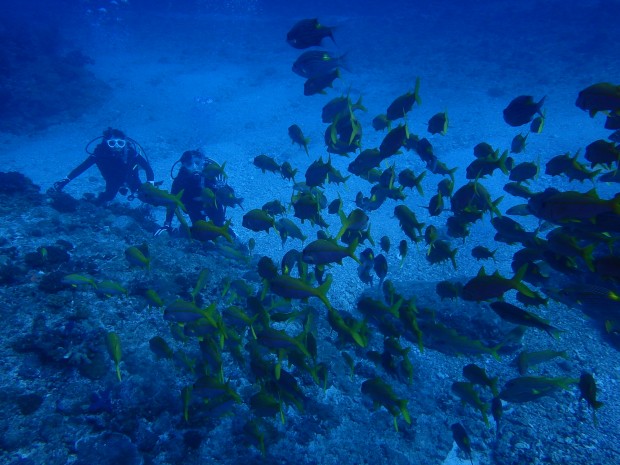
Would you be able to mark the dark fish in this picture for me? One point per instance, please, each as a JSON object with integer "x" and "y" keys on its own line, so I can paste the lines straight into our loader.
{"x": 316, "y": 62}
{"x": 518, "y": 190}
{"x": 486, "y": 287}
{"x": 308, "y": 33}
{"x": 518, "y": 316}
{"x": 537, "y": 124}
{"x": 287, "y": 171}
{"x": 402, "y": 251}
{"x": 439, "y": 251}
{"x": 601, "y": 152}
{"x": 365, "y": 161}
{"x": 525, "y": 360}
{"x": 484, "y": 150}
{"x": 319, "y": 82}
{"x": 384, "y": 242}
{"x": 335, "y": 206}
{"x": 316, "y": 174}
{"x": 438, "y": 124}
{"x": 482, "y": 253}
{"x": 274, "y": 208}
{"x": 403, "y": 104}
{"x": 339, "y": 107}
{"x": 445, "y": 187}
{"x": 367, "y": 258}
{"x": 524, "y": 171}
{"x": 599, "y": 97}
{"x": 408, "y": 222}
{"x": 407, "y": 178}
{"x": 323, "y": 252}
{"x": 587, "y": 391}
{"x": 286, "y": 228}
{"x": 380, "y": 266}
{"x": 393, "y": 141}
{"x": 258, "y": 220}
{"x": 448, "y": 289}
{"x": 381, "y": 122}
{"x": 435, "y": 205}
{"x": 266, "y": 163}
{"x": 462, "y": 440}
{"x": 518, "y": 143}
{"x": 528, "y": 388}
{"x": 497, "y": 410}
{"x": 382, "y": 393}
{"x": 478, "y": 375}
{"x": 297, "y": 137}
{"x": 521, "y": 110}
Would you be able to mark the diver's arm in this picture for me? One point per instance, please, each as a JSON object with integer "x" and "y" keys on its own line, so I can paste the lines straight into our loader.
{"x": 90, "y": 161}
{"x": 150, "y": 175}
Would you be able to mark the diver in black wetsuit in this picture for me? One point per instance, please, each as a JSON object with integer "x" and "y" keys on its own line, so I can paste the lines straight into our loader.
{"x": 192, "y": 179}
{"x": 119, "y": 162}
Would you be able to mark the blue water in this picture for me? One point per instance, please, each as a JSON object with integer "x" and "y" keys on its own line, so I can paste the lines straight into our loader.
{"x": 180, "y": 75}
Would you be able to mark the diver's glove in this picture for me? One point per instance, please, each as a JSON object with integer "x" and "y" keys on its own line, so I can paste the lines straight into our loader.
{"x": 60, "y": 185}
{"x": 219, "y": 182}
{"x": 166, "y": 227}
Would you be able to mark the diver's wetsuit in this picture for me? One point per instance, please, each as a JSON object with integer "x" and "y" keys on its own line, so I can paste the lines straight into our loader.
{"x": 192, "y": 185}
{"x": 117, "y": 168}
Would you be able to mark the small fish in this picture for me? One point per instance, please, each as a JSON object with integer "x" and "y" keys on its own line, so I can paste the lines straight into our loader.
{"x": 274, "y": 208}
{"x": 266, "y": 163}
{"x": 384, "y": 242}
{"x": 462, "y": 440}
{"x": 407, "y": 178}
{"x": 308, "y": 33}
{"x": 448, "y": 289}
{"x": 114, "y": 349}
{"x": 402, "y": 251}
{"x": 79, "y": 280}
{"x": 587, "y": 391}
{"x": 537, "y": 124}
{"x": 438, "y": 124}
{"x": 518, "y": 316}
{"x": 524, "y": 172}
{"x": 518, "y": 143}
{"x": 160, "y": 348}
{"x": 382, "y": 394}
{"x": 478, "y": 375}
{"x": 205, "y": 231}
{"x": 525, "y": 360}
{"x": 404, "y": 103}
{"x": 153, "y": 298}
{"x": 318, "y": 83}
{"x": 528, "y": 388}
{"x": 297, "y": 137}
{"x": 380, "y": 265}
{"x": 497, "y": 410}
{"x": 467, "y": 393}
{"x": 323, "y": 252}
{"x": 110, "y": 288}
{"x": 482, "y": 253}
{"x": 287, "y": 171}
{"x": 139, "y": 256}
{"x": 258, "y": 220}
{"x": 316, "y": 62}
{"x": 381, "y": 123}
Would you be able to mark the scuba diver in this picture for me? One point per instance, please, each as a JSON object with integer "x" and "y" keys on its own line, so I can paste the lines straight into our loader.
{"x": 119, "y": 159}
{"x": 202, "y": 183}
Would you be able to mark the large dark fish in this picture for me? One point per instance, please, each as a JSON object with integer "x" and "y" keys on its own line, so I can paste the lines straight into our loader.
{"x": 599, "y": 97}
{"x": 522, "y": 110}
{"x": 308, "y": 33}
